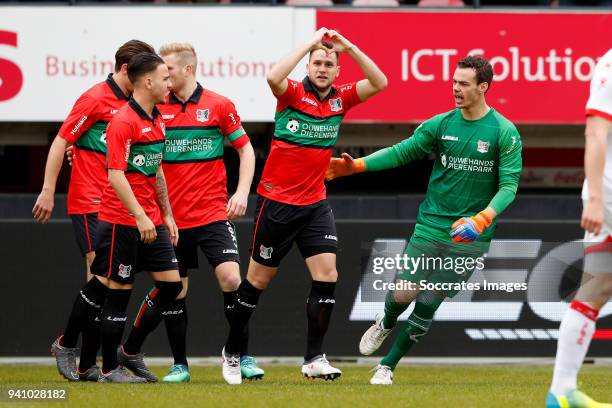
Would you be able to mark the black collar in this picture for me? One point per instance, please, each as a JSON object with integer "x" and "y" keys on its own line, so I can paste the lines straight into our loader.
{"x": 115, "y": 88}
{"x": 309, "y": 87}
{"x": 138, "y": 109}
{"x": 194, "y": 98}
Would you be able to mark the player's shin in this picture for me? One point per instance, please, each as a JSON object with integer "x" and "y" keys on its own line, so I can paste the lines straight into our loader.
{"x": 245, "y": 303}
{"x": 91, "y": 340}
{"x": 229, "y": 298}
{"x": 113, "y": 323}
{"x": 150, "y": 315}
{"x": 414, "y": 329}
{"x": 88, "y": 302}
{"x": 393, "y": 309}
{"x": 575, "y": 335}
{"x": 175, "y": 318}
{"x": 319, "y": 308}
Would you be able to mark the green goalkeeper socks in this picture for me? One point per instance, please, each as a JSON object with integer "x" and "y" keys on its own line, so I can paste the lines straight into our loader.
{"x": 393, "y": 310}
{"x": 415, "y": 327}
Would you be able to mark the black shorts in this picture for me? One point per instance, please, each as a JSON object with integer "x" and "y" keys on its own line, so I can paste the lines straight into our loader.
{"x": 278, "y": 225}
{"x": 85, "y": 230}
{"x": 217, "y": 241}
{"x": 120, "y": 254}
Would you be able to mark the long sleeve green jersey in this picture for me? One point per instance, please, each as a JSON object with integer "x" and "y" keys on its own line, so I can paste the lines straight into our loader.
{"x": 478, "y": 164}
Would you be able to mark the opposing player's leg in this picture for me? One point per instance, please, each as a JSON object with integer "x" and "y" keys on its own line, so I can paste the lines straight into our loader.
{"x": 578, "y": 324}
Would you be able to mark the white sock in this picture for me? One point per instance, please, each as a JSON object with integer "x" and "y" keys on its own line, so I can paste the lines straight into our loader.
{"x": 575, "y": 335}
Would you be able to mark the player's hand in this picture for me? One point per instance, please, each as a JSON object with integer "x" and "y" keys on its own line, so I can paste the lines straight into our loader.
{"x": 467, "y": 229}
{"x": 345, "y": 166}
{"x": 43, "y": 207}
{"x": 592, "y": 217}
{"x": 317, "y": 40}
{"x": 70, "y": 155}
{"x": 339, "y": 42}
{"x": 172, "y": 229}
{"x": 146, "y": 228}
{"x": 237, "y": 205}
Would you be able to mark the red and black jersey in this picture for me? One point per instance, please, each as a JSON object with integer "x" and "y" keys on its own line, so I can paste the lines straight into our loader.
{"x": 135, "y": 143}
{"x": 193, "y": 157}
{"x": 85, "y": 128}
{"x": 306, "y": 129}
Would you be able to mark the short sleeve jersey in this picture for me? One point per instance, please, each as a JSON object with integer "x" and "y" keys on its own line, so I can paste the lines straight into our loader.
{"x": 600, "y": 104}
{"x": 193, "y": 157}
{"x": 85, "y": 128}
{"x": 306, "y": 128}
{"x": 135, "y": 145}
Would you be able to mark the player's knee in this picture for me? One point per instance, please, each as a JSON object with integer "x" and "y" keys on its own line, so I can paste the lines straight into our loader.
{"x": 326, "y": 275}
{"x": 229, "y": 279}
{"x": 606, "y": 289}
{"x": 168, "y": 291}
{"x": 404, "y": 297}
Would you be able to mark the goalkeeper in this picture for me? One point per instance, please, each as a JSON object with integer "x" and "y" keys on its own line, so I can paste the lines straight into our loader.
{"x": 474, "y": 178}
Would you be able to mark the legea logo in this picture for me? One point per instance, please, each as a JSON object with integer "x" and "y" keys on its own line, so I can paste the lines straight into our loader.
{"x": 11, "y": 77}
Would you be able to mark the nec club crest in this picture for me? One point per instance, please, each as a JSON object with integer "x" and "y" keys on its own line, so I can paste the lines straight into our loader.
{"x": 483, "y": 147}
{"x": 124, "y": 271}
{"x": 335, "y": 104}
{"x": 202, "y": 115}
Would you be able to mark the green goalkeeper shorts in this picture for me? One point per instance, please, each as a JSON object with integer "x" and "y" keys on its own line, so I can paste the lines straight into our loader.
{"x": 440, "y": 266}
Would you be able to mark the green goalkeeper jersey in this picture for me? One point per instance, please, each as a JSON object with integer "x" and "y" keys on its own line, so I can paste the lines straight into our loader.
{"x": 478, "y": 164}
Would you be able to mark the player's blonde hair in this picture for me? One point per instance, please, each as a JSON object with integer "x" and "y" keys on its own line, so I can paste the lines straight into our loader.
{"x": 185, "y": 52}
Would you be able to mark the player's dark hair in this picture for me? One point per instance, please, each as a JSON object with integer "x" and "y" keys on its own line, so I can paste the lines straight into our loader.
{"x": 141, "y": 64}
{"x": 484, "y": 70}
{"x": 333, "y": 52}
{"x": 125, "y": 53}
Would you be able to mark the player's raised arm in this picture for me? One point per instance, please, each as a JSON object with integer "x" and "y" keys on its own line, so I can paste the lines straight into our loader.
{"x": 375, "y": 80}
{"x": 419, "y": 145}
{"x": 277, "y": 77}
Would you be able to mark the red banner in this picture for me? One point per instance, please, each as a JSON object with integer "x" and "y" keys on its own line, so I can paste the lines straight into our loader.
{"x": 542, "y": 61}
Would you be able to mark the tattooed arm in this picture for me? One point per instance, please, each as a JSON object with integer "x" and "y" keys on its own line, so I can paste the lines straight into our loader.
{"x": 164, "y": 205}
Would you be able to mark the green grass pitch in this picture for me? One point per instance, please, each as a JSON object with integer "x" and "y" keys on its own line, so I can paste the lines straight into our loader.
{"x": 283, "y": 386}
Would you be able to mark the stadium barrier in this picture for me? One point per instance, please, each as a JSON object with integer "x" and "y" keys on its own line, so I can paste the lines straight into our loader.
{"x": 42, "y": 273}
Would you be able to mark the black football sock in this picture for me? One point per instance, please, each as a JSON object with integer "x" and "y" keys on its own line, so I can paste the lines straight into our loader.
{"x": 88, "y": 302}
{"x": 149, "y": 317}
{"x": 244, "y": 305}
{"x": 113, "y": 322}
{"x": 175, "y": 318}
{"x": 228, "y": 308}
{"x": 319, "y": 307}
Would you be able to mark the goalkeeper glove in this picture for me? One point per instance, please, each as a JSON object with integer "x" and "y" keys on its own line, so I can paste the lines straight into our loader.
{"x": 344, "y": 167}
{"x": 467, "y": 229}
